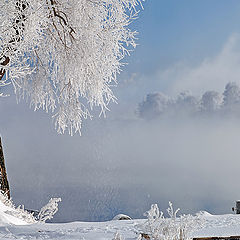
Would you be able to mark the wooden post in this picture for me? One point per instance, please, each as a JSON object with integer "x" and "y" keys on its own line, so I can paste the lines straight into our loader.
{"x": 4, "y": 186}
{"x": 237, "y": 209}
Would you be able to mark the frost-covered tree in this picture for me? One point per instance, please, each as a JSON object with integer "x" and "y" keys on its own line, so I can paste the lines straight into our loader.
{"x": 211, "y": 101}
{"x": 231, "y": 99}
{"x": 64, "y": 56}
{"x": 231, "y": 94}
{"x": 186, "y": 103}
{"x": 153, "y": 105}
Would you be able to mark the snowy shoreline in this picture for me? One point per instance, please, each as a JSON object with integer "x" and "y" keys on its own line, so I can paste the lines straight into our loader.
{"x": 216, "y": 226}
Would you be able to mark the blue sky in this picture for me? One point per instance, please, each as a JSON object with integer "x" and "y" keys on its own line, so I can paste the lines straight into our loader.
{"x": 127, "y": 163}
{"x": 175, "y": 30}
{"x": 178, "y": 32}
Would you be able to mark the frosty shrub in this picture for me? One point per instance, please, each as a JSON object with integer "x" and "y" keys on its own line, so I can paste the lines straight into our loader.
{"x": 18, "y": 212}
{"x": 49, "y": 210}
{"x": 117, "y": 236}
{"x": 172, "y": 228}
{"x": 64, "y": 56}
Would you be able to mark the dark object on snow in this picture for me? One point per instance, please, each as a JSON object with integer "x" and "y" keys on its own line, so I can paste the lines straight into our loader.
{"x": 237, "y": 208}
{"x": 122, "y": 217}
{"x": 4, "y": 186}
{"x": 218, "y": 238}
{"x": 145, "y": 236}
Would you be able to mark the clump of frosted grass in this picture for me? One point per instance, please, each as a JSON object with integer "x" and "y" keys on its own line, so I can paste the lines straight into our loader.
{"x": 177, "y": 228}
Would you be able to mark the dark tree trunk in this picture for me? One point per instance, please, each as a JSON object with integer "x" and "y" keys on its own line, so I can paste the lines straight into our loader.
{"x": 4, "y": 186}
{"x": 4, "y": 63}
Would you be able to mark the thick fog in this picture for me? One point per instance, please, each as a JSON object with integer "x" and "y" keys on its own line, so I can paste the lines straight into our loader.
{"x": 152, "y": 148}
{"x": 122, "y": 165}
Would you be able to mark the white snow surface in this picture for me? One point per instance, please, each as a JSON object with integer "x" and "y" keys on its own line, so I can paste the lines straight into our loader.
{"x": 13, "y": 228}
{"x": 6, "y": 216}
{"x": 219, "y": 226}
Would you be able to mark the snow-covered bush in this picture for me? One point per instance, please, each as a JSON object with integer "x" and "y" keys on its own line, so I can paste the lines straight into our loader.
{"x": 172, "y": 228}
{"x": 18, "y": 212}
{"x": 47, "y": 212}
{"x": 117, "y": 236}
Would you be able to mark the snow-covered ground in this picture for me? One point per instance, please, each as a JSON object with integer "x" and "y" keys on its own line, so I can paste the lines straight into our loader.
{"x": 219, "y": 226}
{"x": 76, "y": 230}
{"x": 222, "y": 225}
{"x": 13, "y": 228}
{"x": 7, "y": 216}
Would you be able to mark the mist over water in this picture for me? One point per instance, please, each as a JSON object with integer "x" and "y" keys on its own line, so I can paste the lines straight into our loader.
{"x": 123, "y": 166}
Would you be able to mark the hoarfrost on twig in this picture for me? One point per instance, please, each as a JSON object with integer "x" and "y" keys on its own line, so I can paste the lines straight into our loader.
{"x": 64, "y": 56}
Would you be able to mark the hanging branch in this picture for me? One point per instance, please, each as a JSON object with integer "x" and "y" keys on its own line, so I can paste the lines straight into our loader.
{"x": 47, "y": 43}
{"x": 63, "y": 21}
{"x": 21, "y": 6}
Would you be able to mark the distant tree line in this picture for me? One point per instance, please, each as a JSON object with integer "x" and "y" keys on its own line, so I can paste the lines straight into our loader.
{"x": 157, "y": 105}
